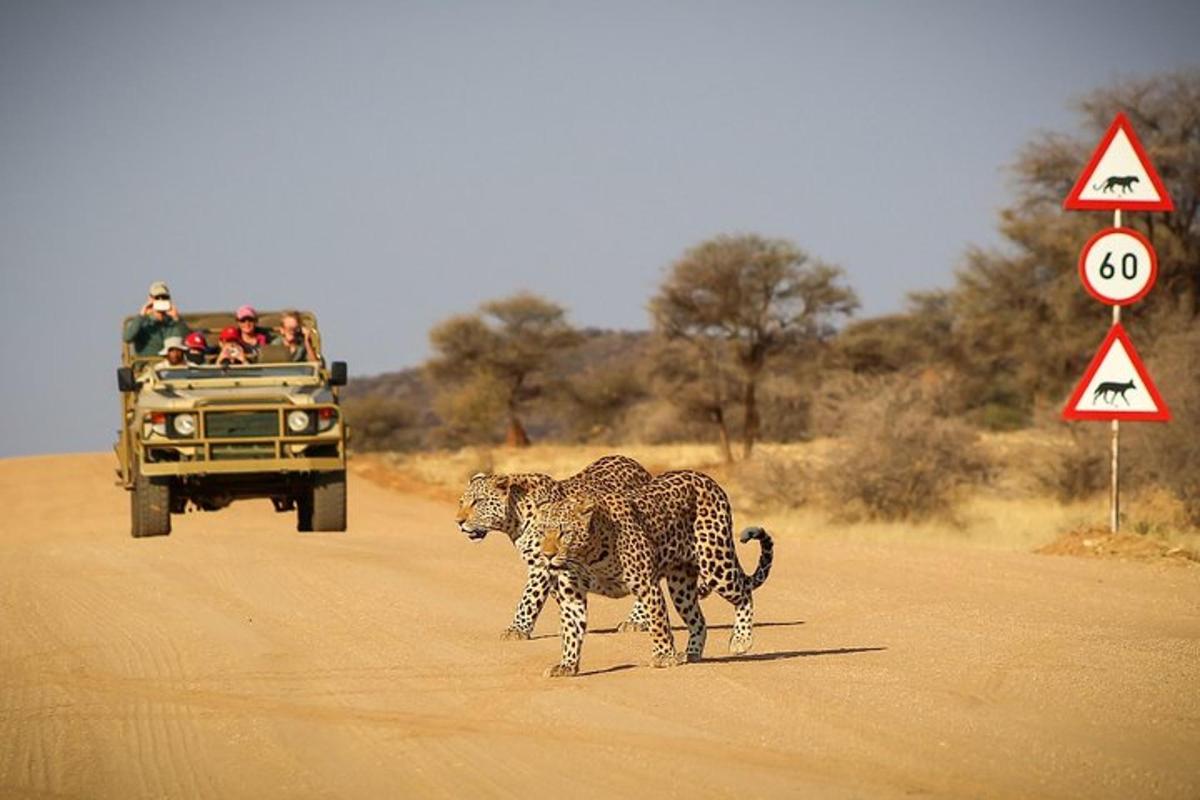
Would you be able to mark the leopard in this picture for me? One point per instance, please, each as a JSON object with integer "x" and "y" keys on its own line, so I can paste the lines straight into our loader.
{"x": 1126, "y": 183}
{"x": 506, "y": 503}
{"x": 679, "y": 526}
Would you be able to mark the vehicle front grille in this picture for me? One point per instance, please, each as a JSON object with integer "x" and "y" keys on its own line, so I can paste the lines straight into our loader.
{"x": 228, "y": 452}
{"x": 233, "y": 424}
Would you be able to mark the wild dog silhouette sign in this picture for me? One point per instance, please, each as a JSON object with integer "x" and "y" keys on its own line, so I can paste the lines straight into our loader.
{"x": 1118, "y": 266}
{"x": 1116, "y": 385}
{"x": 1119, "y": 176}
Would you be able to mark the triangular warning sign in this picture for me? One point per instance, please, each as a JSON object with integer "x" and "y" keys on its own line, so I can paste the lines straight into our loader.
{"x": 1119, "y": 175}
{"x": 1116, "y": 385}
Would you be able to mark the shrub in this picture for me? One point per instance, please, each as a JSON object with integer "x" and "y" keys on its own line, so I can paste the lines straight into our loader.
{"x": 899, "y": 461}
{"x": 775, "y": 481}
{"x": 381, "y": 423}
{"x": 1169, "y": 454}
{"x": 1077, "y": 467}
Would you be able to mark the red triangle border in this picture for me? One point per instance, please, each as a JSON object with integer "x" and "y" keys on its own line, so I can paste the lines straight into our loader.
{"x": 1117, "y": 331}
{"x": 1073, "y": 201}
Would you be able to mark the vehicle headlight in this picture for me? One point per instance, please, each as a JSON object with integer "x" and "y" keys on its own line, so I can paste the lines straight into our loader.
{"x": 184, "y": 424}
{"x": 298, "y": 421}
{"x": 326, "y": 417}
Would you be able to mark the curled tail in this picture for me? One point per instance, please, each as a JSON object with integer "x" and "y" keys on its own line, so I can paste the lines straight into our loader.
{"x": 765, "y": 557}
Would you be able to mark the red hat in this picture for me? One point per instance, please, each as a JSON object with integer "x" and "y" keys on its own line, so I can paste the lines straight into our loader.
{"x": 230, "y": 334}
{"x": 195, "y": 340}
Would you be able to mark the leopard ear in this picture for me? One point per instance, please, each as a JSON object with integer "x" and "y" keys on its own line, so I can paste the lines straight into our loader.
{"x": 477, "y": 476}
{"x": 503, "y": 483}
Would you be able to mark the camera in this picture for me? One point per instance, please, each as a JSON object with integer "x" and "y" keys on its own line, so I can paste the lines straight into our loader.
{"x": 162, "y": 304}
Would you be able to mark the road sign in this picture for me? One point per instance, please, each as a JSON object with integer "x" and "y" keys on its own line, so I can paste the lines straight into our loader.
{"x": 1119, "y": 176}
{"x": 1118, "y": 266}
{"x": 1116, "y": 385}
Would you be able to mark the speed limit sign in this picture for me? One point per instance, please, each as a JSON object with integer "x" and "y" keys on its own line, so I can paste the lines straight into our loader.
{"x": 1118, "y": 266}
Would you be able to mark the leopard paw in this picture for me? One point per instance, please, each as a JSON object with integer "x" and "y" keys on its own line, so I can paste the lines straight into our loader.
{"x": 561, "y": 671}
{"x": 628, "y": 626}
{"x": 659, "y": 660}
{"x": 514, "y": 634}
{"x": 738, "y": 645}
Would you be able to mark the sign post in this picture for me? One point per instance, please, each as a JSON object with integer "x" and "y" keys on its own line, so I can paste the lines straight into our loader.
{"x": 1118, "y": 266}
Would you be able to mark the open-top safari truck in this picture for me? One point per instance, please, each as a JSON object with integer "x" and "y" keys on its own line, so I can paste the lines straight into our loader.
{"x": 206, "y": 435}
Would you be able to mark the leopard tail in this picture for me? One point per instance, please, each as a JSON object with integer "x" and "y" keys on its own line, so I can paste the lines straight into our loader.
{"x": 766, "y": 556}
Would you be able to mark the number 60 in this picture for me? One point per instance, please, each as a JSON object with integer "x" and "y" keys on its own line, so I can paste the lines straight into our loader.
{"x": 1129, "y": 266}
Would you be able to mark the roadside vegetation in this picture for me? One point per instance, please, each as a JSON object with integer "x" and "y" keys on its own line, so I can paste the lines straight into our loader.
{"x": 753, "y": 367}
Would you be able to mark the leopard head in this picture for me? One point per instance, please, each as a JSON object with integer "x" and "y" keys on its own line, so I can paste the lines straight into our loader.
{"x": 565, "y": 527}
{"x": 497, "y": 503}
{"x": 484, "y": 506}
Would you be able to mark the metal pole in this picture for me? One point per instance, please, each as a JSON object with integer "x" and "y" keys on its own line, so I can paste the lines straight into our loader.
{"x": 1115, "y": 498}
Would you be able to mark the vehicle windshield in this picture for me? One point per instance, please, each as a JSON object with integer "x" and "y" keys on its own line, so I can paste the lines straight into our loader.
{"x": 236, "y": 371}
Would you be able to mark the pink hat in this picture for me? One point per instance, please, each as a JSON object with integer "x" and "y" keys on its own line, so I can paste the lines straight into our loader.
{"x": 246, "y": 311}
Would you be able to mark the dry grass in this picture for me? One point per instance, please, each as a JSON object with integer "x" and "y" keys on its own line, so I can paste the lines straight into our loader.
{"x": 778, "y": 489}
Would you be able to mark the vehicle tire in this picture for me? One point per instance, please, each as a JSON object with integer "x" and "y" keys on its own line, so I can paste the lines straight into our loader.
{"x": 149, "y": 507}
{"x": 304, "y": 510}
{"x": 329, "y": 502}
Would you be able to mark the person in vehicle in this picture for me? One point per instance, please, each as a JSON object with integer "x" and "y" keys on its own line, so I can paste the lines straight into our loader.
{"x": 157, "y": 319}
{"x": 175, "y": 351}
{"x": 197, "y": 348}
{"x": 232, "y": 351}
{"x": 295, "y": 337}
{"x": 251, "y": 337}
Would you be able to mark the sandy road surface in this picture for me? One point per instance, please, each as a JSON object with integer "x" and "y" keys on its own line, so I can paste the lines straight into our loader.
{"x": 237, "y": 658}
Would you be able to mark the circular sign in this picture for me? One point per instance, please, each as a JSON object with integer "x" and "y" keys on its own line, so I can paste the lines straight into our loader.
{"x": 1118, "y": 266}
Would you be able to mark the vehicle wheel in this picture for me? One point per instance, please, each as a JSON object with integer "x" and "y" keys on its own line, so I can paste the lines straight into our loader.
{"x": 149, "y": 507}
{"x": 304, "y": 510}
{"x": 329, "y": 502}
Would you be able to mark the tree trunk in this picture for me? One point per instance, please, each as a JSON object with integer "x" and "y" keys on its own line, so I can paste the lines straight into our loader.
{"x": 516, "y": 436}
{"x": 718, "y": 416}
{"x": 750, "y": 402}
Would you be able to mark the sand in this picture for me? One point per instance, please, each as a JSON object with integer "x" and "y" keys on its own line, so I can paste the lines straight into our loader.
{"x": 239, "y": 658}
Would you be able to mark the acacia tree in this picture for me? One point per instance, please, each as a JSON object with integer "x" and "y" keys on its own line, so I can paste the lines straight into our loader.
{"x": 496, "y": 361}
{"x": 694, "y": 376}
{"x": 760, "y": 295}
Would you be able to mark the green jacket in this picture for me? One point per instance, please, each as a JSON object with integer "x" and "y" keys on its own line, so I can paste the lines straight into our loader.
{"x": 148, "y": 333}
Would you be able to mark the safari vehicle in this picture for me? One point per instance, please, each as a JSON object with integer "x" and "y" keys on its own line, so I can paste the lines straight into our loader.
{"x": 202, "y": 436}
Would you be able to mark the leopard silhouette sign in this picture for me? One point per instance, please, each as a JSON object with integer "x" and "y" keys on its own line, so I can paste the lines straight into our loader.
{"x": 1119, "y": 175}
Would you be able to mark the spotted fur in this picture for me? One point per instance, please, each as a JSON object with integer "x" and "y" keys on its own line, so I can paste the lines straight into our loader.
{"x": 506, "y": 503}
{"x": 679, "y": 527}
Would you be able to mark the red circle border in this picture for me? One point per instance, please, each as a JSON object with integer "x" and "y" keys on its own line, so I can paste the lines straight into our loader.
{"x": 1153, "y": 266}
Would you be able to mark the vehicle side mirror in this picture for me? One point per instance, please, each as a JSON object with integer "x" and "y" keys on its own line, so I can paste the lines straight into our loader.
{"x": 337, "y": 373}
{"x": 125, "y": 381}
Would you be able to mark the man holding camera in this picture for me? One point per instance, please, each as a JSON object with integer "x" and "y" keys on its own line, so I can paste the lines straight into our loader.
{"x": 158, "y": 319}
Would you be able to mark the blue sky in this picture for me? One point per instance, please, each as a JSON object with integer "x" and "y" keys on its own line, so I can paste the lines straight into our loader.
{"x": 390, "y": 164}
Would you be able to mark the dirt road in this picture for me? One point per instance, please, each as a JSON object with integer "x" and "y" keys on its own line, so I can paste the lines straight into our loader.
{"x": 237, "y": 658}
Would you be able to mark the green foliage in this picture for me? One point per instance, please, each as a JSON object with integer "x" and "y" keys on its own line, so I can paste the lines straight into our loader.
{"x": 505, "y": 352}
{"x": 759, "y": 297}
